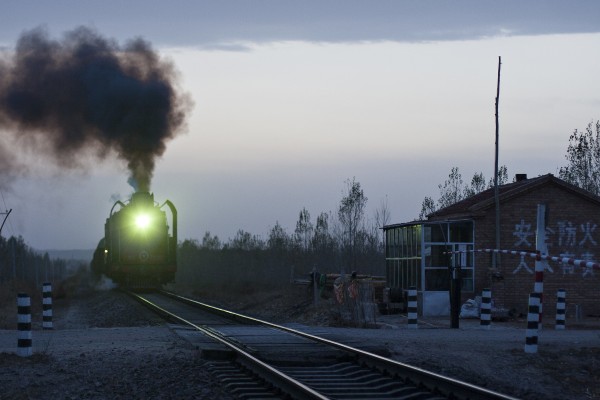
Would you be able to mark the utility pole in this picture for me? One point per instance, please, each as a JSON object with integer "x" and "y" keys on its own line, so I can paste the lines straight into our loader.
{"x": 12, "y": 252}
{"x": 6, "y": 214}
{"x": 496, "y": 191}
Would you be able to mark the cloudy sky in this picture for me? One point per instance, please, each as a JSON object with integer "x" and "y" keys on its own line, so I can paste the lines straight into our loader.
{"x": 293, "y": 98}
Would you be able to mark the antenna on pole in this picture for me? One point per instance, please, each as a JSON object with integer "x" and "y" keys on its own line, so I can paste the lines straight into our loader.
{"x": 496, "y": 191}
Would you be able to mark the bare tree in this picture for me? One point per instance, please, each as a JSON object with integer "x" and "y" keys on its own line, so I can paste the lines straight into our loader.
{"x": 451, "y": 192}
{"x": 477, "y": 185}
{"x": 246, "y": 241}
{"x": 278, "y": 238}
{"x": 454, "y": 190}
{"x": 583, "y": 157}
{"x": 502, "y": 177}
{"x": 382, "y": 216}
{"x": 350, "y": 216}
{"x": 304, "y": 229}
{"x": 323, "y": 243}
{"x": 427, "y": 207}
{"x": 211, "y": 242}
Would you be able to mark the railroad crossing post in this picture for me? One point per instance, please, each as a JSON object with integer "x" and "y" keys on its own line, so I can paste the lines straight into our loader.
{"x": 24, "y": 325}
{"x": 561, "y": 306}
{"x": 412, "y": 307}
{"x": 533, "y": 319}
{"x": 486, "y": 308}
{"x": 47, "y": 306}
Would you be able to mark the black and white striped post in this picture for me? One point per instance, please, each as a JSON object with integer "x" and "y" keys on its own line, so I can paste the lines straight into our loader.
{"x": 561, "y": 308}
{"x": 485, "y": 310}
{"x": 47, "y": 306}
{"x": 533, "y": 319}
{"x": 23, "y": 325}
{"x": 412, "y": 307}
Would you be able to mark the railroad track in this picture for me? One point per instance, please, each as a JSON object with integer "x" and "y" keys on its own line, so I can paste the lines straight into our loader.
{"x": 259, "y": 359}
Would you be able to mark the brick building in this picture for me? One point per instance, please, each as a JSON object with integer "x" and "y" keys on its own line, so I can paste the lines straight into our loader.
{"x": 415, "y": 251}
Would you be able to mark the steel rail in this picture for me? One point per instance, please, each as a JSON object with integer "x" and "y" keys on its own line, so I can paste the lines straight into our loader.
{"x": 449, "y": 387}
{"x": 282, "y": 381}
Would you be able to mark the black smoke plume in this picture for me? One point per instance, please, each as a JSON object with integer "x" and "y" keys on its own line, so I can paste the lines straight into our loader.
{"x": 87, "y": 93}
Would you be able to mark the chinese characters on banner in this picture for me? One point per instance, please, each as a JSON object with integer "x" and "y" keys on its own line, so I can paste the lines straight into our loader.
{"x": 567, "y": 239}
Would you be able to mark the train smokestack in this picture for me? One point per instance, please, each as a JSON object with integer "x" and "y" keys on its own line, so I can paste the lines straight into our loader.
{"x": 87, "y": 94}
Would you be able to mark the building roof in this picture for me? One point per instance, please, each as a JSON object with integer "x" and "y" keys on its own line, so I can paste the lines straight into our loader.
{"x": 477, "y": 204}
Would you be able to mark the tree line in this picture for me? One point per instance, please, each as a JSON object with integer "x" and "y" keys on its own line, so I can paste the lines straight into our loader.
{"x": 330, "y": 243}
{"x": 20, "y": 262}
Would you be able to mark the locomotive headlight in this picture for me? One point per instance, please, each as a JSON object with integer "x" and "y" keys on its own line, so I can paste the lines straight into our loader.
{"x": 142, "y": 221}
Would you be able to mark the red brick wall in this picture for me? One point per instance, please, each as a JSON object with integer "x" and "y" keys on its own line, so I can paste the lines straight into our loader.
{"x": 573, "y": 230}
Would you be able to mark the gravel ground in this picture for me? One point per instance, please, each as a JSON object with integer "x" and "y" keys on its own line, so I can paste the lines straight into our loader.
{"x": 105, "y": 346}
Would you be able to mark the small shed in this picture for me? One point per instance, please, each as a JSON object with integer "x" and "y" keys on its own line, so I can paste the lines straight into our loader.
{"x": 416, "y": 252}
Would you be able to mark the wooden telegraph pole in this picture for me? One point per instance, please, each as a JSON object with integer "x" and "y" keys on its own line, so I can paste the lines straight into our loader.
{"x": 496, "y": 191}
{"x": 6, "y": 214}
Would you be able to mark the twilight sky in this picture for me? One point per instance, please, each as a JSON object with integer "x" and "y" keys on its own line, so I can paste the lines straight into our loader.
{"x": 293, "y": 98}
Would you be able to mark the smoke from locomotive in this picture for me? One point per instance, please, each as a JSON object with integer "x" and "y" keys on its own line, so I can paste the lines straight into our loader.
{"x": 137, "y": 249}
{"x": 86, "y": 95}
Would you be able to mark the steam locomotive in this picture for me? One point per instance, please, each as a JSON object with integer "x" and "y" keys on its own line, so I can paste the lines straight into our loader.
{"x": 137, "y": 250}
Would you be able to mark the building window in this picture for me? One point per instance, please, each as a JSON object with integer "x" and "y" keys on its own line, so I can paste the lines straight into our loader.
{"x": 439, "y": 240}
{"x": 418, "y": 254}
{"x": 403, "y": 261}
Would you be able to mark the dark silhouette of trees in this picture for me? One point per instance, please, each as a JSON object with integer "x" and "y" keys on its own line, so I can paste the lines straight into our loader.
{"x": 278, "y": 240}
{"x": 304, "y": 229}
{"x": 211, "y": 242}
{"x": 245, "y": 241}
{"x": 324, "y": 245}
{"x": 351, "y": 219}
{"x": 382, "y": 215}
{"x": 20, "y": 262}
{"x": 330, "y": 246}
{"x": 454, "y": 190}
{"x": 583, "y": 157}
